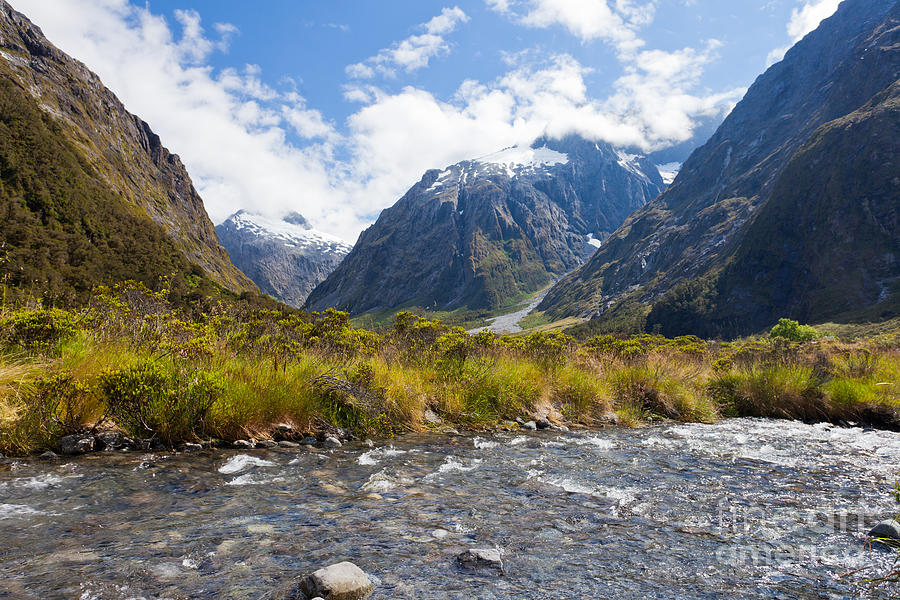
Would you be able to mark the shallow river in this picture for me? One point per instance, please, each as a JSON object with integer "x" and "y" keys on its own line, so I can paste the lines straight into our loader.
{"x": 741, "y": 509}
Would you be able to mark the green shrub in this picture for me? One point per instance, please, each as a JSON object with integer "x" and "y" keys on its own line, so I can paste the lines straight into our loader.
{"x": 148, "y": 400}
{"x": 793, "y": 331}
{"x": 55, "y": 405}
{"x": 39, "y": 330}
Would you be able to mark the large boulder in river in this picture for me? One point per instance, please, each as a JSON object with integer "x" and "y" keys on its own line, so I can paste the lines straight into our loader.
{"x": 481, "y": 558}
{"x": 887, "y": 532}
{"x": 343, "y": 581}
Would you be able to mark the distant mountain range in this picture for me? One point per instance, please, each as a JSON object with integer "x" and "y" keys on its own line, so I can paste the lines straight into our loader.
{"x": 88, "y": 193}
{"x": 481, "y": 233}
{"x": 792, "y": 208}
{"x": 286, "y": 257}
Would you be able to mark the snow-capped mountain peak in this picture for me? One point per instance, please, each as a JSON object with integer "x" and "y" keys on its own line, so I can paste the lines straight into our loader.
{"x": 293, "y": 230}
{"x": 285, "y": 256}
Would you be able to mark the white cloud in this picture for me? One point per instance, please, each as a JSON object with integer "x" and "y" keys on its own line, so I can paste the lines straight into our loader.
{"x": 807, "y": 18}
{"x": 414, "y": 52}
{"x": 613, "y": 21}
{"x": 804, "y": 20}
{"x": 250, "y": 145}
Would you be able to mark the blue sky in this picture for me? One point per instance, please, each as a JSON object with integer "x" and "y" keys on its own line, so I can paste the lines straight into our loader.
{"x": 334, "y": 108}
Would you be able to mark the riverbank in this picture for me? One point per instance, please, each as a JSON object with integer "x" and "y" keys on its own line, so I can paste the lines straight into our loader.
{"x": 131, "y": 364}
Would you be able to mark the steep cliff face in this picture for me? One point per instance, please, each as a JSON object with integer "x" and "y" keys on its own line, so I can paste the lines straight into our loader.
{"x": 109, "y": 150}
{"x": 481, "y": 232}
{"x": 286, "y": 258}
{"x": 669, "y": 256}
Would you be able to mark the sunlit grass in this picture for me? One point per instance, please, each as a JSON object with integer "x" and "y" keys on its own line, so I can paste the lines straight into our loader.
{"x": 162, "y": 375}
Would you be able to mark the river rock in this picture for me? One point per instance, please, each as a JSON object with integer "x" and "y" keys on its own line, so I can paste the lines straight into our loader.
{"x": 308, "y": 441}
{"x": 266, "y": 444}
{"x": 243, "y": 444}
{"x": 887, "y": 532}
{"x": 77, "y": 444}
{"x": 343, "y": 581}
{"x": 49, "y": 455}
{"x": 113, "y": 440}
{"x": 530, "y": 425}
{"x": 432, "y": 418}
{"x": 481, "y": 558}
{"x": 331, "y": 442}
{"x": 609, "y": 418}
{"x": 543, "y": 423}
{"x": 287, "y": 444}
{"x": 369, "y": 443}
{"x": 191, "y": 447}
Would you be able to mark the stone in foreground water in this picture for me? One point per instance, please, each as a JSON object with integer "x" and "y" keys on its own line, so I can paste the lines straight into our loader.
{"x": 887, "y": 532}
{"x": 342, "y": 581}
{"x": 481, "y": 558}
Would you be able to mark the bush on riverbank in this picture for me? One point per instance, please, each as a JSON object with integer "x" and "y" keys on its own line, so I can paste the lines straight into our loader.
{"x": 132, "y": 362}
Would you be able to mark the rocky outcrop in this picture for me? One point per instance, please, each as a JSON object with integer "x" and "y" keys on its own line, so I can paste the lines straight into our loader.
{"x": 481, "y": 232}
{"x": 114, "y": 148}
{"x": 788, "y": 210}
{"x": 286, "y": 258}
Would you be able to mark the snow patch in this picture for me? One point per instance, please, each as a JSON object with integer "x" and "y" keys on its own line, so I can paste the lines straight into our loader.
{"x": 518, "y": 156}
{"x": 629, "y": 162}
{"x": 669, "y": 171}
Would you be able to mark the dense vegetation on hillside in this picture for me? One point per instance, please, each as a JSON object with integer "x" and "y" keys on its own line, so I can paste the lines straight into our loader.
{"x": 131, "y": 361}
{"x": 63, "y": 230}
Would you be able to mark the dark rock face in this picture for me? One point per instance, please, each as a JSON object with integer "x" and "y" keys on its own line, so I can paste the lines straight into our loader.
{"x": 793, "y": 192}
{"x": 286, "y": 258}
{"x": 482, "y": 231}
{"x": 115, "y": 147}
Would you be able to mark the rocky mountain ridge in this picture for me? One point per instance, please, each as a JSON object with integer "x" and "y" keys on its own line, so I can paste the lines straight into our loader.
{"x": 285, "y": 257}
{"x": 673, "y": 251}
{"x": 483, "y": 232}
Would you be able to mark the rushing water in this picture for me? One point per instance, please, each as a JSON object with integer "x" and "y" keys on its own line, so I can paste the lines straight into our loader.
{"x": 741, "y": 509}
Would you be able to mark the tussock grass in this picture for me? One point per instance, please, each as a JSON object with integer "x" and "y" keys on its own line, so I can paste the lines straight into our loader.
{"x": 133, "y": 363}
